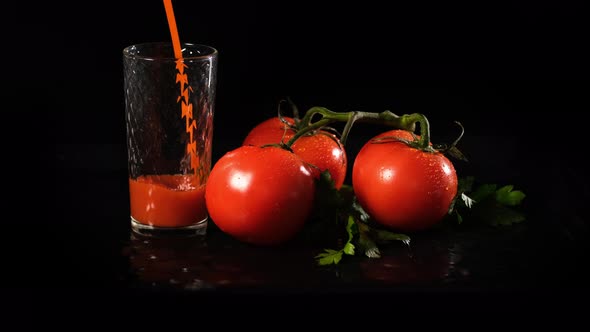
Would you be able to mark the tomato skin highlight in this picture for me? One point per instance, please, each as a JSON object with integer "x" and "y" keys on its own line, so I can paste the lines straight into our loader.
{"x": 401, "y": 187}
{"x": 322, "y": 149}
{"x": 261, "y": 196}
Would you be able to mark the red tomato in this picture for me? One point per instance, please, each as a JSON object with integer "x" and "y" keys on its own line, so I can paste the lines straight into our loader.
{"x": 322, "y": 149}
{"x": 260, "y": 195}
{"x": 401, "y": 187}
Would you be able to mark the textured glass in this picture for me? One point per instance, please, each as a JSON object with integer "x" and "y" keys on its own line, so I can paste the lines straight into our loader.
{"x": 169, "y": 107}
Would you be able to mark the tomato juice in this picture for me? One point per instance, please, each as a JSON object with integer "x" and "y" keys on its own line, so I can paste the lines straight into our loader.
{"x": 167, "y": 200}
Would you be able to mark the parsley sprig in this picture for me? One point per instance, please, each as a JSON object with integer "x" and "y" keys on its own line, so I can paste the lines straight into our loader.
{"x": 488, "y": 203}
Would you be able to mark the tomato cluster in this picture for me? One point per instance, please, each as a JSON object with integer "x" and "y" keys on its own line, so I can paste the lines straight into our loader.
{"x": 262, "y": 193}
{"x": 321, "y": 149}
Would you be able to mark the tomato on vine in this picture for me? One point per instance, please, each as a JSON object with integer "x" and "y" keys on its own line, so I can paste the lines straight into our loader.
{"x": 403, "y": 187}
{"x": 320, "y": 148}
{"x": 264, "y": 191}
{"x": 260, "y": 195}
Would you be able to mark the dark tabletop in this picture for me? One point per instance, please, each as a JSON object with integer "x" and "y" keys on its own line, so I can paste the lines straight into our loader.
{"x": 87, "y": 246}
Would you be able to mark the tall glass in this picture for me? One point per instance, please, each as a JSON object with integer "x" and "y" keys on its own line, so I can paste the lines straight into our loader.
{"x": 169, "y": 107}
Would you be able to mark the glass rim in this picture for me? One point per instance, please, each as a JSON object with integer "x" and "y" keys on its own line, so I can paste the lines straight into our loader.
{"x": 211, "y": 51}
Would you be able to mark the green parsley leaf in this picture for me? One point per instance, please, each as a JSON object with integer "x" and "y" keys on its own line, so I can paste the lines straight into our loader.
{"x": 369, "y": 246}
{"x": 366, "y": 242}
{"x": 487, "y": 203}
{"x": 496, "y": 214}
{"x": 386, "y": 236}
{"x": 459, "y": 217}
{"x": 507, "y": 196}
{"x": 464, "y": 185}
{"x": 348, "y": 249}
{"x": 467, "y": 201}
{"x": 483, "y": 191}
{"x": 350, "y": 229}
{"x": 359, "y": 212}
{"x": 329, "y": 256}
{"x": 504, "y": 216}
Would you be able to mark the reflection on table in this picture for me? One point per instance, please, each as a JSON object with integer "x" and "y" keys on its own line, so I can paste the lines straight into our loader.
{"x": 218, "y": 262}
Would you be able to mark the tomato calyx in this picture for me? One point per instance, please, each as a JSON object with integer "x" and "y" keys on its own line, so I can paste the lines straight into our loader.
{"x": 415, "y": 143}
{"x": 452, "y": 149}
{"x": 294, "y": 110}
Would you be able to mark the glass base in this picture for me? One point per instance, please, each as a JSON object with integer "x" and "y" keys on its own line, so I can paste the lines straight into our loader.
{"x": 198, "y": 229}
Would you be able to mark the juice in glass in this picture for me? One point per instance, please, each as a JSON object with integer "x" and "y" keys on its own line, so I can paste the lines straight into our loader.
{"x": 167, "y": 200}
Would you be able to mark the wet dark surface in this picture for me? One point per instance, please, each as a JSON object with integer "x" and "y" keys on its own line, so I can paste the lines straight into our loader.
{"x": 539, "y": 263}
{"x": 82, "y": 248}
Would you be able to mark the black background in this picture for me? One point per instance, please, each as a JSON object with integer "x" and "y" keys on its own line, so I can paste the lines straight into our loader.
{"x": 515, "y": 75}
{"x": 489, "y": 66}
{"x": 508, "y": 72}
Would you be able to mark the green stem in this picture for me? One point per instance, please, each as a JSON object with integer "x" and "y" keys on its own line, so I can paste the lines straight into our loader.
{"x": 313, "y": 111}
{"x": 424, "y": 142}
{"x": 295, "y": 111}
{"x": 386, "y": 118}
{"x": 307, "y": 129}
{"x": 351, "y": 120}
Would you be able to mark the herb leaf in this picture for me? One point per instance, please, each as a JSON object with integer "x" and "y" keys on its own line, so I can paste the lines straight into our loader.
{"x": 507, "y": 196}
{"x": 386, "y": 236}
{"x": 467, "y": 201}
{"x": 464, "y": 185}
{"x": 459, "y": 217}
{"x": 367, "y": 243}
{"x": 488, "y": 203}
{"x": 483, "y": 191}
{"x": 369, "y": 246}
{"x": 348, "y": 249}
{"x": 348, "y": 246}
{"x": 456, "y": 153}
{"x": 504, "y": 216}
{"x": 329, "y": 256}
